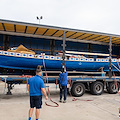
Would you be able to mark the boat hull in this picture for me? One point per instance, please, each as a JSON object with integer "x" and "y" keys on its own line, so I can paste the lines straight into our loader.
{"x": 14, "y": 62}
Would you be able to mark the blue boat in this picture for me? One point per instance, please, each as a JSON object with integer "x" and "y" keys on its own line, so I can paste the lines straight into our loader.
{"x": 23, "y": 61}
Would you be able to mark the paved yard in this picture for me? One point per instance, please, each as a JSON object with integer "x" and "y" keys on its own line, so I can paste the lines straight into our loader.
{"x": 16, "y": 106}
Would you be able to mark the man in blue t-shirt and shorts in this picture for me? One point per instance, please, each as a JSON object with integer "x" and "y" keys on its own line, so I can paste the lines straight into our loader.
{"x": 36, "y": 90}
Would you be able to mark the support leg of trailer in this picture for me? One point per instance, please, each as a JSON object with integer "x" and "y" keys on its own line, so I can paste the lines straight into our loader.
{"x": 9, "y": 86}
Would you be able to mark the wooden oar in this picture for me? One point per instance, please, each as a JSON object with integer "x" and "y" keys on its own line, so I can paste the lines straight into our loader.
{"x": 87, "y": 53}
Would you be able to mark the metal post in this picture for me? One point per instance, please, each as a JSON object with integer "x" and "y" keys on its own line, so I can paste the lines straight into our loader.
{"x": 110, "y": 57}
{"x": 5, "y": 42}
{"x": 63, "y": 56}
{"x": 52, "y": 47}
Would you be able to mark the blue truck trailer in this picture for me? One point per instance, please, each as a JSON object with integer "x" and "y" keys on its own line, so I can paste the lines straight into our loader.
{"x": 78, "y": 82}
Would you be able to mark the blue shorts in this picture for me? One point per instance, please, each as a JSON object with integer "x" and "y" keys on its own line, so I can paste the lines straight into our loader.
{"x": 36, "y": 101}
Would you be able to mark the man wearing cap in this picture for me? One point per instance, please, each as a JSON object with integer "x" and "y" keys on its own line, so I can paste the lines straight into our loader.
{"x": 36, "y": 89}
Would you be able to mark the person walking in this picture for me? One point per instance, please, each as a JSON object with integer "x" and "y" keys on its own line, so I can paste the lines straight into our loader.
{"x": 63, "y": 84}
{"x": 36, "y": 90}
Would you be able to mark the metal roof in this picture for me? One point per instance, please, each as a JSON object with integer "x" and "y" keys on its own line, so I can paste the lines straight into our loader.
{"x": 52, "y": 32}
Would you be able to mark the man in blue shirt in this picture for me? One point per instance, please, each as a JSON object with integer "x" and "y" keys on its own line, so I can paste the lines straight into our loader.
{"x": 63, "y": 82}
{"x": 36, "y": 90}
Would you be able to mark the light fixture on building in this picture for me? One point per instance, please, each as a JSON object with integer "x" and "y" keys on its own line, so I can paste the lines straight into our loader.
{"x": 39, "y": 18}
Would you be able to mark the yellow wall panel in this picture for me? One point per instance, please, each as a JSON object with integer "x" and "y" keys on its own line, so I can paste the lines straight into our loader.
{"x": 9, "y": 27}
{"x": 30, "y": 29}
{"x": 20, "y": 28}
{"x": 1, "y": 27}
{"x": 59, "y": 33}
{"x": 50, "y": 32}
{"x": 69, "y": 33}
{"x": 99, "y": 38}
{"x": 84, "y": 36}
{"x": 40, "y": 31}
{"x": 107, "y": 40}
{"x": 115, "y": 38}
{"x": 104, "y": 39}
{"x": 116, "y": 42}
{"x": 92, "y": 37}
{"x": 76, "y": 35}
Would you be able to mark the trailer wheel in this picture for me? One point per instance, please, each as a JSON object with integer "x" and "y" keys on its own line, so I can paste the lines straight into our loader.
{"x": 78, "y": 89}
{"x": 96, "y": 88}
{"x": 112, "y": 88}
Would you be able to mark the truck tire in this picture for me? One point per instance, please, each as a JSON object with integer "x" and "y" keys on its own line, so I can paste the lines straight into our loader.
{"x": 78, "y": 89}
{"x": 112, "y": 88}
{"x": 96, "y": 88}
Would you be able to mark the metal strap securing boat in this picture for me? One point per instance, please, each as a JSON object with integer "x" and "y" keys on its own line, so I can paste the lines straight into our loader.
{"x": 57, "y": 105}
{"x": 116, "y": 83}
{"x": 4, "y": 76}
{"x": 116, "y": 67}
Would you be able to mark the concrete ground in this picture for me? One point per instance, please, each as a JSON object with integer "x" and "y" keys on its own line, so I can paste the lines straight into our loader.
{"x": 16, "y": 106}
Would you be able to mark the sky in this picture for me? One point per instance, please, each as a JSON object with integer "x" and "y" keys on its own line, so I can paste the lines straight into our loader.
{"x": 92, "y": 15}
